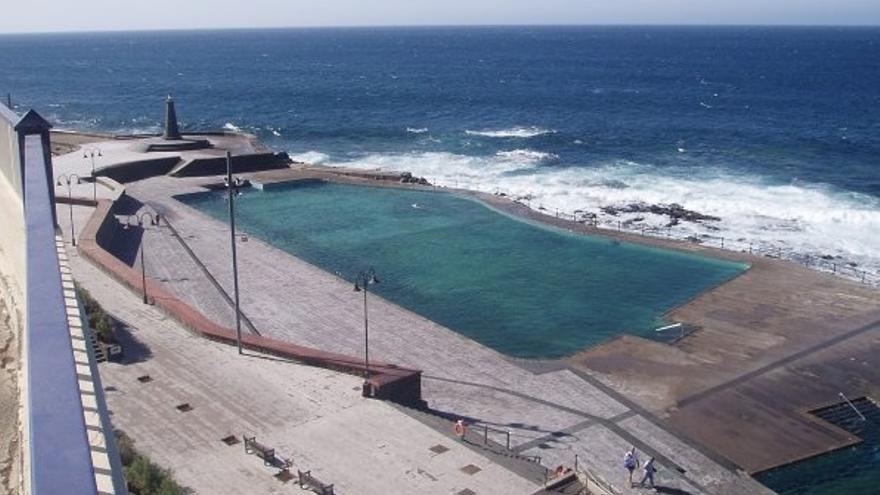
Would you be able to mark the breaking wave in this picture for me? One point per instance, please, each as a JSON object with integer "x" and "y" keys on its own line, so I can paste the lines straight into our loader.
{"x": 525, "y": 155}
{"x": 797, "y": 220}
{"x": 513, "y": 132}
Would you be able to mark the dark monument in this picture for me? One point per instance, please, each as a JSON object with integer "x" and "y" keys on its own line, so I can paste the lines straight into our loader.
{"x": 172, "y": 139}
{"x": 172, "y": 132}
{"x": 210, "y": 159}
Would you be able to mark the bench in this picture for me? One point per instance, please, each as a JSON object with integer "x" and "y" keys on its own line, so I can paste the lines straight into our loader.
{"x": 251, "y": 446}
{"x": 306, "y": 480}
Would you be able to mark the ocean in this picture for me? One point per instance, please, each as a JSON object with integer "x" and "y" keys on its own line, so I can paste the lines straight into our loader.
{"x": 774, "y": 131}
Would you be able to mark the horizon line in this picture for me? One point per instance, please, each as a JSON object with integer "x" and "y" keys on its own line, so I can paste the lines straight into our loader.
{"x": 444, "y": 26}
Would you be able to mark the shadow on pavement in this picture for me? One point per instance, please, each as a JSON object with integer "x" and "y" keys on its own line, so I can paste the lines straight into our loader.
{"x": 133, "y": 350}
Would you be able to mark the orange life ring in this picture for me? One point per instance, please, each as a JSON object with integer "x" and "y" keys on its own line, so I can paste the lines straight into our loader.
{"x": 458, "y": 428}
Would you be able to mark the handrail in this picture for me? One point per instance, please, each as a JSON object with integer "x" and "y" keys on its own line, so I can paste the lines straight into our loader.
{"x": 478, "y": 427}
{"x": 597, "y": 480}
{"x": 58, "y": 444}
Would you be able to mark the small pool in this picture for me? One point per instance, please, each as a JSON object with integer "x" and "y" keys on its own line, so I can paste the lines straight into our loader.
{"x": 523, "y": 289}
{"x": 850, "y": 471}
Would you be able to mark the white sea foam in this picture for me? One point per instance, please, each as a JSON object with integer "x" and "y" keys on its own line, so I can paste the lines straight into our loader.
{"x": 416, "y": 130}
{"x": 310, "y": 157}
{"x": 526, "y": 155}
{"x": 461, "y": 169}
{"x": 513, "y": 132}
{"x": 795, "y": 220}
{"x": 229, "y": 126}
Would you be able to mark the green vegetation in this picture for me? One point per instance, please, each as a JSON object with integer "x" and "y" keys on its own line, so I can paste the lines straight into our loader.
{"x": 142, "y": 475}
{"x": 99, "y": 320}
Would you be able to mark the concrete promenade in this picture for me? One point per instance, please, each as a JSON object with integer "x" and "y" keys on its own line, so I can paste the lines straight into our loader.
{"x": 552, "y": 411}
{"x": 556, "y": 414}
{"x": 312, "y": 416}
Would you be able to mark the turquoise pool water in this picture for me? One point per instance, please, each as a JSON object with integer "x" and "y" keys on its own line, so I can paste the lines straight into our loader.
{"x": 522, "y": 289}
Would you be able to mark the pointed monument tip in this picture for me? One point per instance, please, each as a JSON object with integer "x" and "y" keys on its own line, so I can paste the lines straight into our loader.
{"x": 32, "y": 122}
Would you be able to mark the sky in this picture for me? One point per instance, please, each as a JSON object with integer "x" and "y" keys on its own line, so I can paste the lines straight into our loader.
{"x": 116, "y": 15}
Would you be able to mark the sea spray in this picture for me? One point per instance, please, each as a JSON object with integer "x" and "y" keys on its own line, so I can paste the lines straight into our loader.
{"x": 799, "y": 221}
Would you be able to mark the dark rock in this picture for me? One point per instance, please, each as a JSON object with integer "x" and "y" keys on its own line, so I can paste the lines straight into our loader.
{"x": 408, "y": 178}
{"x": 674, "y": 211}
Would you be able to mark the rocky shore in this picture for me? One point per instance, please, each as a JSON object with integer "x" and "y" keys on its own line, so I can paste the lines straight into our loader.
{"x": 674, "y": 211}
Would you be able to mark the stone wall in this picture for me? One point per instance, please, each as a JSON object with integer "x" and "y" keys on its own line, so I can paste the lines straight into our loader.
{"x": 10, "y": 432}
{"x": 241, "y": 163}
{"x": 139, "y": 169}
{"x": 12, "y": 232}
{"x": 12, "y": 288}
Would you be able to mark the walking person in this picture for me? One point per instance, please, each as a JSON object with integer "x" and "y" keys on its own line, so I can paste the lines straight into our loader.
{"x": 631, "y": 462}
{"x": 648, "y": 471}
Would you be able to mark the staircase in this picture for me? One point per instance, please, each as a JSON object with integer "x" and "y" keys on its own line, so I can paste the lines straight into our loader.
{"x": 99, "y": 352}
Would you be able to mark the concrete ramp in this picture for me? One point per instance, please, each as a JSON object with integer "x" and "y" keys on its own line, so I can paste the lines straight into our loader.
{"x": 139, "y": 169}
{"x": 198, "y": 167}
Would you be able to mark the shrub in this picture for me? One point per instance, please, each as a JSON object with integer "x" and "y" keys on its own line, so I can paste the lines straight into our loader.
{"x": 104, "y": 329}
{"x": 99, "y": 320}
{"x": 142, "y": 475}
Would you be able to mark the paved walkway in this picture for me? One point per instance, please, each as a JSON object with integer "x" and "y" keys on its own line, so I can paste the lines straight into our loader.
{"x": 313, "y": 416}
{"x": 556, "y": 414}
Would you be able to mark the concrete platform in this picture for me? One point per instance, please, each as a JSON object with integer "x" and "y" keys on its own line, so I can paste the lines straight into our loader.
{"x": 779, "y": 327}
{"x": 314, "y": 417}
{"x": 555, "y": 414}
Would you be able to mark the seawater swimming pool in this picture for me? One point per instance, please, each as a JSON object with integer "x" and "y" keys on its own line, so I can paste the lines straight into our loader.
{"x": 853, "y": 470}
{"x": 522, "y": 289}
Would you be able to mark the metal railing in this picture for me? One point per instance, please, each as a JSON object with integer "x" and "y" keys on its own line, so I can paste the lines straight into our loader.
{"x": 490, "y": 437}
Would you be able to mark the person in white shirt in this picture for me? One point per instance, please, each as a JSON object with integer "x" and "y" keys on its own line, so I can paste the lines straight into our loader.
{"x": 631, "y": 462}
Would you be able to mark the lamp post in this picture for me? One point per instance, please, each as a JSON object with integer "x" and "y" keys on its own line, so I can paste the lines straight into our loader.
{"x": 362, "y": 282}
{"x": 232, "y": 185}
{"x": 92, "y": 153}
{"x": 154, "y": 220}
{"x": 69, "y": 179}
